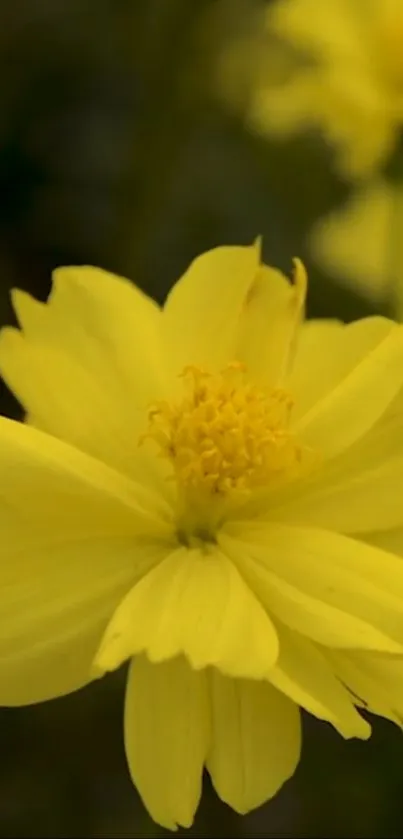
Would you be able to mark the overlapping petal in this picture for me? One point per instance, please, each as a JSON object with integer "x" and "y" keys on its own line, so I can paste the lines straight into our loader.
{"x": 356, "y": 492}
{"x": 376, "y": 681}
{"x": 335, "y": 590}
{"x": 304, "y": 673}
{"x": 195, "y": 603}
{"x": 327, "y": 351}
{"x": 345, "y": 413}
{"x": 87, "y": 364}
{"x": 256, "y": 741}
{"x": 75, "y": 536}
{"x": 201, "y": 314}
{"x": 387, "y": 540}
{"x": 268, "y": 328}
{"x": 228, "y": 306}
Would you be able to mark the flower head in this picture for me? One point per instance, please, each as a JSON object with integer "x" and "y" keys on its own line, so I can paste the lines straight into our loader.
{"x": 211, "y": 491}
{"x": 348, "y": 81}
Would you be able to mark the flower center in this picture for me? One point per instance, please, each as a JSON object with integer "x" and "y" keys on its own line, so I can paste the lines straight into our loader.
{"x": 226, "y": 435}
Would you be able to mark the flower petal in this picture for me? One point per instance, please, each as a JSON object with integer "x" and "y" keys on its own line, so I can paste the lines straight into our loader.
{"x": 256, "y": 741}
{"x": 269, "y": 324}
{"x": 379, "y": 692}
{"x": 376, "y": 679}
{"x": 338, "y": 591}
{"x": 346, "y": 413}
{"x": 327, "y": 351}
{"x": 202, "y": 311}
{"x": 305, "y": 674}
{"x": 167, "y": 731}
{"x": 340, "y": 88}
{"x": 356, "y": 492}
{"x": 316, "y": 371}
{"x": 387, "y": 540}
{"x": 87, "y": 363}
{"x": 74, "y": 539}
{"x": 293, "y": 20}
{"x": 197, "y": 604}
{"x": 102, "y": 320}
{"x": 353, "y": 243}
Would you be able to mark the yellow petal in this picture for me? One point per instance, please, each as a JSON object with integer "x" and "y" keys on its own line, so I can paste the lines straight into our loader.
{"x": 375, "y": 679}
{"x": 327, "y": 352}
{"x": 387, "y": 540}
{"x": 338, "y": 591}
{"x": 354, "y": 243}
{"x": 293, "y": 19}
{"x": 351, "y": 113}
{"x": 167, "y": 731}
{"x": 88, "y": 363}
{"x": 356, "y": 492}
{"x": 256, "y": 741}
{"x": 305, "y": 674}
{"x": 286, "y": 108}
{"x": 360, "y": 398}
{"x": 99, "y": 318}
{"x": 201, "y": 314}
{"x": 317, "y": 364}
{"x": 194, "y": 603}
{"x": 270, "y": 320}
{"x": 74, "y": 540}
{"x": 54, "y": 615}
{"x": 340, "y": 88}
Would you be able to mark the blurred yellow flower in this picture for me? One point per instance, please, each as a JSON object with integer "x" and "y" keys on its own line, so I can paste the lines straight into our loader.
{"x": 361, "y": 245}
{"x": 211, "y": 491}
{"x": 348, "y": 80}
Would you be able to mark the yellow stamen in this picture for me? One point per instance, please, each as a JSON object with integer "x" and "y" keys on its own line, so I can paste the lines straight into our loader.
{"x": 226, "y": 434}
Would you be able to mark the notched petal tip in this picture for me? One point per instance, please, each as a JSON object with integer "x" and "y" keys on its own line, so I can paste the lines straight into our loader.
{"x": 97, "y": 671}
{"x": 71, "y": 276}
{"x": 28, "y": 310}
{"x": 112, "y": 652}
{"x": 191, "y": 606}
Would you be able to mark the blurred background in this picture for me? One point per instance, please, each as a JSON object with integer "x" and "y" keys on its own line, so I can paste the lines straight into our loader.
{"x": 118, "y": 149}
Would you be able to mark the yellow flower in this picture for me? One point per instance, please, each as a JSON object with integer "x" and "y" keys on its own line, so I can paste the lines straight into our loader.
{"x": 212, "y": 491}
{"x": 348, "y": 80}
{"x": 361, "y": 244}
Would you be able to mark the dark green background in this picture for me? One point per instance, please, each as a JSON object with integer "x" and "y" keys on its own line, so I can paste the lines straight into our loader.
{"x": 115, "y": 151}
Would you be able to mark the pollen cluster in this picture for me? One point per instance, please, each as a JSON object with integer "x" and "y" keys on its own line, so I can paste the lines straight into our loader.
{"x": 225, "y": 434}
